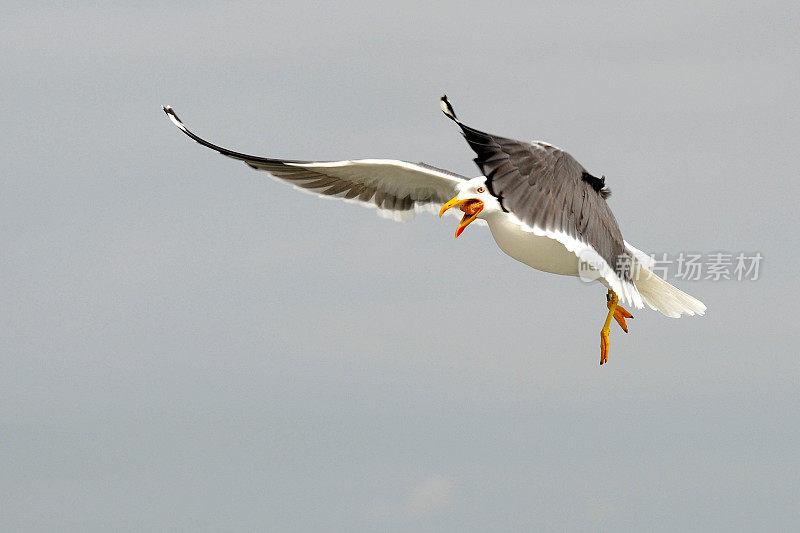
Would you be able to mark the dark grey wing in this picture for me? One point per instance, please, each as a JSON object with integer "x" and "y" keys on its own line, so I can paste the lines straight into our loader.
{"x": 546, "y": 188}
{"x": 394, "y": 187}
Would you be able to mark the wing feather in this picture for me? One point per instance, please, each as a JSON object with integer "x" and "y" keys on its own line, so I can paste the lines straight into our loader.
{"x": 547, "y": 190}
{"x": 394, "y": 187}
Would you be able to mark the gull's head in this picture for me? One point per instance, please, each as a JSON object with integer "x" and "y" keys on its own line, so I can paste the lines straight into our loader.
{"x": 474, "y": 200}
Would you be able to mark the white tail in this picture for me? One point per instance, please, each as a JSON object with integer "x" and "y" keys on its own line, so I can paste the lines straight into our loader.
{"x": 658, "y": 294}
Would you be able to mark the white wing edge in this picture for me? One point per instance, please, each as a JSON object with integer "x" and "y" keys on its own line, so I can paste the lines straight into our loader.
{"x": 626, "y": 290}
{"x": 430, "y": 171}
{"x": 647, "y": 261}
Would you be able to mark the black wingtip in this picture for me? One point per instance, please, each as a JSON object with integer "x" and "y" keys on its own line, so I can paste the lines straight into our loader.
{"x": 173, "y": 117}
{"x": 447, "y": 109}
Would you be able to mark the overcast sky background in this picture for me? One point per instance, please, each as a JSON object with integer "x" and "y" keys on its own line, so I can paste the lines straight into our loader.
{"x": 187, "y": 344}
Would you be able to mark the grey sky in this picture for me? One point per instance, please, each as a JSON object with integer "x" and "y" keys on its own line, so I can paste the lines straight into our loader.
{"x": 187, "y": 344}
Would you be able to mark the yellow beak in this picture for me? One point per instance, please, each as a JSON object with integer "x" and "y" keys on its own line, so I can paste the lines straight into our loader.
{"x": 452, "y": 203}
{"x": 471, "y": 207}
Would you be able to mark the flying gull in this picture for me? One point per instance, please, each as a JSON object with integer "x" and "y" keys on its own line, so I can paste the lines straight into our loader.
{"x": 542, "y": 207}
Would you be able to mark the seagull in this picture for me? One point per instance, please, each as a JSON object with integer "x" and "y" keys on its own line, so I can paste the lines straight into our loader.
{"x": 542, "y": 207}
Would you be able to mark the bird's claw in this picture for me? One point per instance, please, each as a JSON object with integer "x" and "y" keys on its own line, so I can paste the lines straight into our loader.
{"x": 620, "y": 314}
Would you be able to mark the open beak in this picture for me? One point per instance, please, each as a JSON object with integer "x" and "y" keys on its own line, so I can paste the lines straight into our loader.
{"x": 471, "y": 207}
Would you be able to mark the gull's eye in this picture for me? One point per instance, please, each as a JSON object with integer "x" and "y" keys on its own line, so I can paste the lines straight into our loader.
{"x": 480, "y": 189}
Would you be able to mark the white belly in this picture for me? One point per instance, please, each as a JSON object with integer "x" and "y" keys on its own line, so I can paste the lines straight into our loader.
{"x": 537, "y": 251}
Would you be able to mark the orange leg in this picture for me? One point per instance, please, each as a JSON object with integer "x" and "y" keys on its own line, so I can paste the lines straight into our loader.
{"x": 619, "y": 314}
{"x": 613, "y": 300}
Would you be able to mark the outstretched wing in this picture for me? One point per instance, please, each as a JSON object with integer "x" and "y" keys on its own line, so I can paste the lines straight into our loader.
{"x": 551, "y": 193}
{"x": 394, "y": 187}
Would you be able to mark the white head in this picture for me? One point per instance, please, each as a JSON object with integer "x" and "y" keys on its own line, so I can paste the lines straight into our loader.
{"x": 474, "y": 200}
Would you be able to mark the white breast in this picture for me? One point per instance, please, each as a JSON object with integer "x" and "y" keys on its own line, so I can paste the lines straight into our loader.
{"x": 538, "y": 251}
